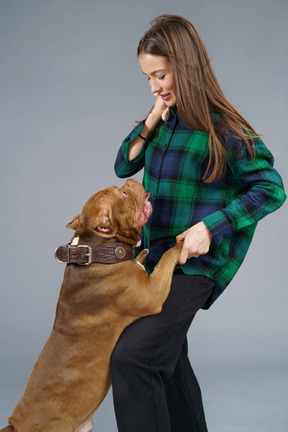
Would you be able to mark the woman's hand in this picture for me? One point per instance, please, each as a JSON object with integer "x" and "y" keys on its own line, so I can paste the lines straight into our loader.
{"x": 150, "y": 124}
{"x": 197, "y": 240}
{"x": 156, "y": 113}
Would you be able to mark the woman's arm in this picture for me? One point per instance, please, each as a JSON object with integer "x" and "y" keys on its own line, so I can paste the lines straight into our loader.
{"x": 150, "y": 124}
{"x": 131, "y": 155}
{"x": 263, "y": 193}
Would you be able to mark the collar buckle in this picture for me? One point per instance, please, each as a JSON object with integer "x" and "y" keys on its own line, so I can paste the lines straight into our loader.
{"x": 88, "y": 254}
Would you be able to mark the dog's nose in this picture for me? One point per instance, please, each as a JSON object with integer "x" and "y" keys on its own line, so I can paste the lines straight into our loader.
{"x": 131, "y": 182}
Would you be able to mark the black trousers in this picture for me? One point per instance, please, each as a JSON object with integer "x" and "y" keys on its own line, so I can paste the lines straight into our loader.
{"x": 154, "y": 386}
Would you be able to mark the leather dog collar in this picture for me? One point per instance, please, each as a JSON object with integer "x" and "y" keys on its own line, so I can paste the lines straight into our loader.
{"x": 108, "y": 253}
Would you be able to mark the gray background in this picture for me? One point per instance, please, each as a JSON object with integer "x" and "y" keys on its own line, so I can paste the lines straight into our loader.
{"x": 71, "y": 88}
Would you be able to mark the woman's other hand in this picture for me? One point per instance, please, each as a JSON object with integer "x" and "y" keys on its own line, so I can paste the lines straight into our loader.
{"x": 150, "y": 124}
{"x": 197, "y": 240}
{"x": 156, "y": 113}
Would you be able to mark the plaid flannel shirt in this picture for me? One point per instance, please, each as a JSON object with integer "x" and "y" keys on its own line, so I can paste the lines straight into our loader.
{"x": 175, "y": 159}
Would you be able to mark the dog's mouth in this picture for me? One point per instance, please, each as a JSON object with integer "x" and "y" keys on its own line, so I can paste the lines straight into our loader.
{"x": 146, "y": 211}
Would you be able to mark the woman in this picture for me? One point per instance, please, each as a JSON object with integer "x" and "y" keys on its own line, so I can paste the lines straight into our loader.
{"x": 211, "y": 179}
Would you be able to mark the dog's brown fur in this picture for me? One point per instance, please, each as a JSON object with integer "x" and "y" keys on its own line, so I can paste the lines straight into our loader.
{"x": 96, "y": 303}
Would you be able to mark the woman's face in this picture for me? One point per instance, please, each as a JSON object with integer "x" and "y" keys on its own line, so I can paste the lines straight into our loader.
{"x": 161, "y": 77}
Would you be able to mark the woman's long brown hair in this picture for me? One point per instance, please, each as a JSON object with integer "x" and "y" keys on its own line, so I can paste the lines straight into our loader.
{"x": 197, "y": 90}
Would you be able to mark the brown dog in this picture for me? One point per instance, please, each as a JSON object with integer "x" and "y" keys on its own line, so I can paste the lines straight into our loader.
{"x": 96, "y": 302}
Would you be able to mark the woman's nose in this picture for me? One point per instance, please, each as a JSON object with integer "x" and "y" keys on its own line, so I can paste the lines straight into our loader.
{"x": 155, "y": 87}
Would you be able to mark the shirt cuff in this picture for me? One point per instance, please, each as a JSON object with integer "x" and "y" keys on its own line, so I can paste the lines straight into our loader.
{"x": 127, "y": 141}
{"x": 219, "y": 226}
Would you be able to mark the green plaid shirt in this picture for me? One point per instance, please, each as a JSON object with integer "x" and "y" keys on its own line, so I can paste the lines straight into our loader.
{"x": 175, "y": 158}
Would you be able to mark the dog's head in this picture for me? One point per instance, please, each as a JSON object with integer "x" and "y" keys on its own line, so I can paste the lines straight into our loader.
{"x": 114, "y": 214}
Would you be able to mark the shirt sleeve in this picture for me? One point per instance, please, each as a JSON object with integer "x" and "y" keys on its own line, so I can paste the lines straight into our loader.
{"x": 125, "y": 167}
{"x": 263, "y": 192}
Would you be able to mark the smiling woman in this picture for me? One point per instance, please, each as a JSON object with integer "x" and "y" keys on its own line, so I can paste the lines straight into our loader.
{"x": 211, "y": 179}
{"x": 160, "y": 76}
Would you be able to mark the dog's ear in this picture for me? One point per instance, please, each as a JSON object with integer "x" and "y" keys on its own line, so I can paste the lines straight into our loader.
{"x": 104, "y": 227}
{"x": 74, "y": 223}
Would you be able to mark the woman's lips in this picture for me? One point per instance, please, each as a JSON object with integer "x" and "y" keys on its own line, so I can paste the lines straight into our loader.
{"x": 165, "y": 97}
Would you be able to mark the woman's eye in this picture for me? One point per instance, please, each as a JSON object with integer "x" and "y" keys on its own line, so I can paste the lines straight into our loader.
{"x": 162, "y": 77}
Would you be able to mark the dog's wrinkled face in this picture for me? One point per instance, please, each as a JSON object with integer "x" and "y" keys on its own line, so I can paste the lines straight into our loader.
{"x": 114, "y": 213}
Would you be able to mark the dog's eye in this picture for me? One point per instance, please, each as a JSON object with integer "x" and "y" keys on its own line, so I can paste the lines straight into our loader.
{"x": 124, "y": 192}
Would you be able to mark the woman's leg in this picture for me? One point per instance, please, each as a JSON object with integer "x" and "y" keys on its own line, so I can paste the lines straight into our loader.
{"x": 184, "y": 397}
{"x": 147, "y": 354}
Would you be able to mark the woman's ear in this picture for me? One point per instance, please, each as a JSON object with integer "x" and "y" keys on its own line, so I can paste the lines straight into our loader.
{"x": 74, "y": 223}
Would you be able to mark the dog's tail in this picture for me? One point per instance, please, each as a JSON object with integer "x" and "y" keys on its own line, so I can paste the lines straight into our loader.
{"x": 8, "y": 429}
